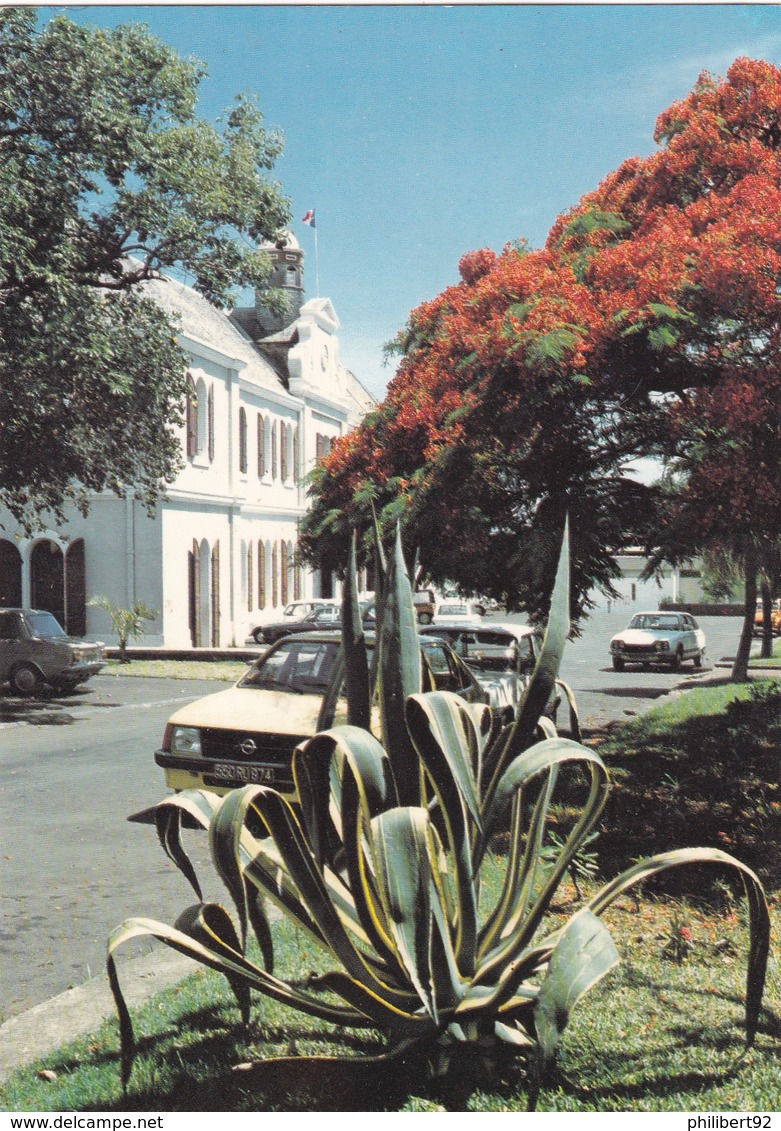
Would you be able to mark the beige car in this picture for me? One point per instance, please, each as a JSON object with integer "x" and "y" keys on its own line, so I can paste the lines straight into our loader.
{"x": 247, "y": 734}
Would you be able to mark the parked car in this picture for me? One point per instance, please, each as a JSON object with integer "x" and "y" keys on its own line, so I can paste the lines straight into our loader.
{"x": 323, "y": 616}
{"x": 247, "y": 734}
{"x": 659, "y": 638}
{"x": 35, "y": 650}
{"x": 425, "y": 604}
{"x": 775, "y": 618}
{"x": 459, "y": 609}
{"x": 502, "y": 657}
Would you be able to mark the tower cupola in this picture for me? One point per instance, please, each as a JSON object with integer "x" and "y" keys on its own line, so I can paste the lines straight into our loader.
{"x": 287, "y": 275}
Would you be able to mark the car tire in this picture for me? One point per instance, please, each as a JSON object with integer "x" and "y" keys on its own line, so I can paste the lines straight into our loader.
{"x": 25, "y": 679}
{"x": 677, "y": 660}
{"x": 618, "y": 665}
{"x": 698, "y": 660}
{"x": 257, "y": 635}
{"x": 424, "y": 618}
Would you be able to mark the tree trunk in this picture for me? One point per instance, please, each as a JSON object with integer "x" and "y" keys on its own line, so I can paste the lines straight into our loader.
{"x": 767, "y": 621}
{"x": 740, "y": 666}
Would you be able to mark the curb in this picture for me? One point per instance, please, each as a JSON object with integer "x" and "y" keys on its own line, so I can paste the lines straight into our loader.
{"x": 47, "y": 1027}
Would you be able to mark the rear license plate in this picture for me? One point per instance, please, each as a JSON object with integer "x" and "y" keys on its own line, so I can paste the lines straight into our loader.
{"x": 249, "y": 775}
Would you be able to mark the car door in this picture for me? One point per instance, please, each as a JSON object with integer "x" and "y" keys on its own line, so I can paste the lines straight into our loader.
{"x": 12, "y": 646}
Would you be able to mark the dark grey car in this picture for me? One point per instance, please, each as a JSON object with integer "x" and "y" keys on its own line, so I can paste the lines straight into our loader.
{"x": 35, "y": 650}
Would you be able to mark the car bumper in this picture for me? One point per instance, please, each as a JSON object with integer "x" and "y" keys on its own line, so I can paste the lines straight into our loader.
{"x": 77, "y": 673}
{"x": 222, "y": 776}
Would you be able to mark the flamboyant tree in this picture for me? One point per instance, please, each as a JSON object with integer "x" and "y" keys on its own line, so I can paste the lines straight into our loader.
{"x": 525, "y": 390}
{"x": 107, "y": 178}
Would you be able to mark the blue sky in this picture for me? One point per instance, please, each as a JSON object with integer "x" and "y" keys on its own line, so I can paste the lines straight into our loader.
{"x": 419, "y": 133}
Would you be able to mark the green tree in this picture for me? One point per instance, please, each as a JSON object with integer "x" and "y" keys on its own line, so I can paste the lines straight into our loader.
{"x": 107, "y": 179}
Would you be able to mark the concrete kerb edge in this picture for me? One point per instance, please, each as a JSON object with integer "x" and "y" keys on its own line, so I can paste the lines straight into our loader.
{"x": 47, "y": 1027}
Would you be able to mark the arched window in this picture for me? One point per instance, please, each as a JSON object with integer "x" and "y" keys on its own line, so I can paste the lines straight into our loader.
{"x": 243, "y": 464}
{"x": 47, "y": 579}
{"x": 261, "y": 576}
{"x": 283, "y": 563}
{"x": 261, "y": 446}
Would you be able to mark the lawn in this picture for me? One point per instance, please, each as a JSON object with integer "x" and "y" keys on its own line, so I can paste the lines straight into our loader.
{"x": 662, "y": 1033}
{"x": 179, "y": 669}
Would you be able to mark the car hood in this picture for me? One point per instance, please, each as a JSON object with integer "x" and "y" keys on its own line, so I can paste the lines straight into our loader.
{"x": 252, "y": 708}
{"x": 644, "y": 635}
{"x": 503, "y": 687}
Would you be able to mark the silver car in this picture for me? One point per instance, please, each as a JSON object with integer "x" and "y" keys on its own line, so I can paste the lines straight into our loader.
{"x": 659, "y": 638}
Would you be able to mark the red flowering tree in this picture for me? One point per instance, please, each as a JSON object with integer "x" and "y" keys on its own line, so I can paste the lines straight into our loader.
{"x": 647, "y": 325}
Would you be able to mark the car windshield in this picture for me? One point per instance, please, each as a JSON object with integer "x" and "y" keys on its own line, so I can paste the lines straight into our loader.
{"x": 301, "y": 667}
{"x": 454, "y": 610}
{"x": 44, "y": 625}
{"x": 655, "y": 623}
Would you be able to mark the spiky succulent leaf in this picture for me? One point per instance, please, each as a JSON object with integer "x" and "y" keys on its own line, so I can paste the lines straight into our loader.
{"x": 354, "y": 646}
{"x": 583, "y": 956}
{"x": 399, "y": 675}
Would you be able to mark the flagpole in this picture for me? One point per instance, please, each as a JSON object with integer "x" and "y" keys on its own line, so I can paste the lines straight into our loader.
{"x": 317, "y": 267}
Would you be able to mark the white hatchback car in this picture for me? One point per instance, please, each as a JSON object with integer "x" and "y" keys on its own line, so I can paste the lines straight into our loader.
{"x": 659, "y": 638}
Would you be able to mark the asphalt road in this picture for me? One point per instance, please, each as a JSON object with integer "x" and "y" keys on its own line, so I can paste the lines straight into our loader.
{"x": 74, "y": 768}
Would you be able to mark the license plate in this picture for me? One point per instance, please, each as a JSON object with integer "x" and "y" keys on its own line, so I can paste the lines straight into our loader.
{"x": 249, "y": 775}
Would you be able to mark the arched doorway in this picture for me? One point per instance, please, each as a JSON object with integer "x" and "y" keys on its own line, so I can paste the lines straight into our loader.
{"x": 47, "y": 579}
{"x": 10, "y": 575}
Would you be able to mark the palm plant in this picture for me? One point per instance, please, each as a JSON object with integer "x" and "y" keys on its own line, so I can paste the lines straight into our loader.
{"x": 380, "y": 859}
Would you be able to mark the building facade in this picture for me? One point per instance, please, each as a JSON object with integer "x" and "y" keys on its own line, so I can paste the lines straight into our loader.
{"x": 267, "y": 398}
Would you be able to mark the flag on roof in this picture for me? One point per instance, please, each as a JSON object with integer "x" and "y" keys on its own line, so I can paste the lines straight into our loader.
{"x": 309, "y": 218}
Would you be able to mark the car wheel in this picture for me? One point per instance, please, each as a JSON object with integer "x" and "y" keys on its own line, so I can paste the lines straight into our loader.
{"x": 424, "y": 618}
{"x": 257, "y": 635}
{"x": 698, "y": 660}
{"x": 618, "y": 665}
{"x": 677, "y": 660}
{"x": 25, "y": 680}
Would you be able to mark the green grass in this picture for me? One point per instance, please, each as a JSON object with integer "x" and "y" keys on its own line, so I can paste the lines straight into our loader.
{"x": 179, "y": 669}
{"x": 702, "y": 769}
{"x": 773, "y": 661}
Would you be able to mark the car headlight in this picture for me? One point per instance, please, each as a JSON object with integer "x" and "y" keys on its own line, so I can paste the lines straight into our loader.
{"x": 186, "y": 740}
{"x": 662, "y": 645}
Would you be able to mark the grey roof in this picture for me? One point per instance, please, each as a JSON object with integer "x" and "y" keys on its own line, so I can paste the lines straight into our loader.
{"x": 206, "y": 323}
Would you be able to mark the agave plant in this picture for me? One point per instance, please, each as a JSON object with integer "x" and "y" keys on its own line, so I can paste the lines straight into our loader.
{"x": 380, "y": 859}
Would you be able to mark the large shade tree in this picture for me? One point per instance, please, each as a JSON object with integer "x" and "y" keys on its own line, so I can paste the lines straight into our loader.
{"x": 525, "y": 390}
{"x": 108, "y": 178}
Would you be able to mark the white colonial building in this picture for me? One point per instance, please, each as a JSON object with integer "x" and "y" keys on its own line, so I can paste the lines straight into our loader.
{"x": 267, "y": 398}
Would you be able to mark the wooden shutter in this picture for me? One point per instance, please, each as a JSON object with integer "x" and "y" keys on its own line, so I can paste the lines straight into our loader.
{"x": 210, "y": 423}
{"x": 261, "y": 446}
{"x": 194, "y": 578}
{"x": 191, "y": 414}
{"x": 261, "y": 576}
{"x": 216, "y": 595}
{"x": 75, "y": 589}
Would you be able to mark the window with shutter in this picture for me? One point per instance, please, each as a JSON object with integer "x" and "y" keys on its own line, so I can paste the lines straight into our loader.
{"x": 283, "y": 451}
{"x": 211, "y": 423}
